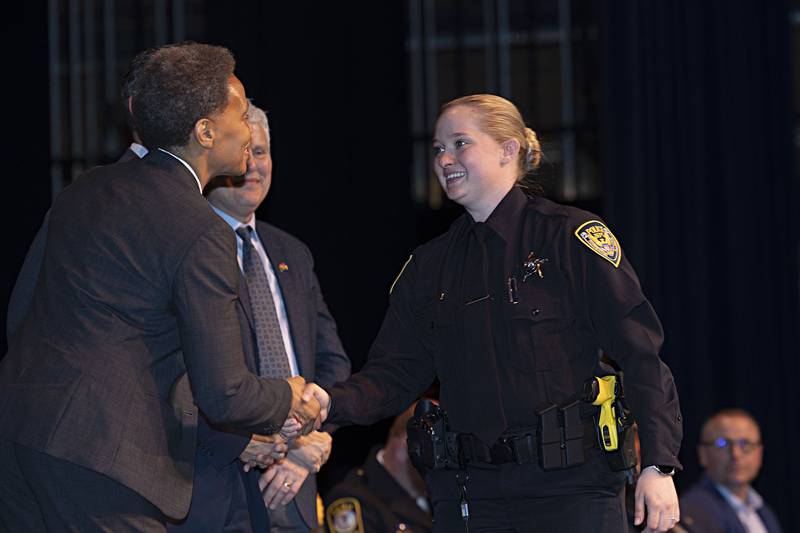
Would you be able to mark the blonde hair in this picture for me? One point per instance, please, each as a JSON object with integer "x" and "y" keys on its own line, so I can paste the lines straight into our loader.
{"x": 501, "y": 120}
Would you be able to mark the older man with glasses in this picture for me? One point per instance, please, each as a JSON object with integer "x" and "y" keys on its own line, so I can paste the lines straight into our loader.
{"x": 723, "y": 500}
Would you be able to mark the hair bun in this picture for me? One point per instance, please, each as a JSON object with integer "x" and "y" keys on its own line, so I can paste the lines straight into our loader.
{"x": 533, "y": 151}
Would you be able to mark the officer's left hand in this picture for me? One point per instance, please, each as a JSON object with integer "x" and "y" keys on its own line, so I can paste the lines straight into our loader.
{"x": 656, "y": 492}
{"x": 280, "y": 482}
{"x": 311, "y": 451}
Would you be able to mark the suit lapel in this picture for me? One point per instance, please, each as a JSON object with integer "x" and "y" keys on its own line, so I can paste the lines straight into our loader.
{"x": 289, "y": 281}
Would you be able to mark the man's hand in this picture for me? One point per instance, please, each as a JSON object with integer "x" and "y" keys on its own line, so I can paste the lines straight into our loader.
{"x": 305, "y": 406}
{"x": 280, "y": 483}
{"x": 311, "y": 451}
{"x": 656, "y": 492}
{"x": 262, "y": 451}
{"x": 291, "y": 429}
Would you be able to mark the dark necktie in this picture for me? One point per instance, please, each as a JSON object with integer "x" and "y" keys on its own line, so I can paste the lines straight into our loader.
{"x": 272, "y": 359}
{"x": 485, "y": 406}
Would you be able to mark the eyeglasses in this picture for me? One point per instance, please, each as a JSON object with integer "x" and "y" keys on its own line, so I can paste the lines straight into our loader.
{"x": 744, "y": 445}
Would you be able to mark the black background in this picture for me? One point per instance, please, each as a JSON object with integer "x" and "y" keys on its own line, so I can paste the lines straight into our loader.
{"x": 698, "y": 173}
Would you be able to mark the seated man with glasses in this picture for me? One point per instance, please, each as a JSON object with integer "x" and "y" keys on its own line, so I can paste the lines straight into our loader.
{"x": 722, "y": 500}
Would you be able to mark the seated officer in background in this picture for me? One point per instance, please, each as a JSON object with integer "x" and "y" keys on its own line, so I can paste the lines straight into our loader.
{"x": 386, "y": 494}
{"x": 723, "y": 501}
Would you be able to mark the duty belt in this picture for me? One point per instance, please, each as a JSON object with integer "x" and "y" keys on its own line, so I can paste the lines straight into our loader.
{"x": 517, "y": 447}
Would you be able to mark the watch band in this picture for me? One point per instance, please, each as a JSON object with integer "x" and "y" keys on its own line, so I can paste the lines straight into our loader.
{"x": 664, "y": 470}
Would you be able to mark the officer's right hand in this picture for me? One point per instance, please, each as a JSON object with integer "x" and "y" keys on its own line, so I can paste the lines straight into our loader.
{"x": 315, "y": 391}
{"x": 306, "y": 410}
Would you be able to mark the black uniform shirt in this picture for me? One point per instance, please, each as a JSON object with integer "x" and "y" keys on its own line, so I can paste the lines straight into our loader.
{"x": 371, "y": 498}
{"x": 588, "y": 299}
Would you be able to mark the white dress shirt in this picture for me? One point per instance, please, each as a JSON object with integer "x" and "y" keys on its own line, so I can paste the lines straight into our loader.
{"x": 277, "y": 296}
{"x": 746, "y": 510}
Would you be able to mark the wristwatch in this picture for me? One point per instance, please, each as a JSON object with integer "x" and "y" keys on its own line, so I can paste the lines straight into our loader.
{"x": 664, "y": 470}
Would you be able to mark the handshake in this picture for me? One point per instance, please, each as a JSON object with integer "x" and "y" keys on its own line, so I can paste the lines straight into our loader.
{"x": 308, "y": 411}
{"x": 309, "y": 408}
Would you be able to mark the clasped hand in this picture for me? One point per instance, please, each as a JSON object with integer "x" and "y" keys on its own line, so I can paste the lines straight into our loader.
{"x": 263, "y": 450}
{"x": 309, "y": 408}
{"x": 282, "y": 480}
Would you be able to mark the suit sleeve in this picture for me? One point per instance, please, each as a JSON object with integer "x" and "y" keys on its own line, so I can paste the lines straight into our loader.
{"x": 220, "y": 447}
{"x": 206, "y": 296}
{"x": 399, "y": 369}
{"x": 629, "y": 331}
{"x": 22, "y": 294}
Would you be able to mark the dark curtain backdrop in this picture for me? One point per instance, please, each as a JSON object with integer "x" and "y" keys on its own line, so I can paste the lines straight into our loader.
{"x": 332, "y": 77}
{"x": 700, "y": 186}
{"x": 25, "y": 139}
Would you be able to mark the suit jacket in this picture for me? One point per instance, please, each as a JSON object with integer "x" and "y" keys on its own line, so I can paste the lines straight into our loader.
{"x": 21, "y": 296}
{"x": 138, "y": 285}
{"x": 219, "y": 492}
{"x": 319, "y": 352}
{"x": 705, "y": 510}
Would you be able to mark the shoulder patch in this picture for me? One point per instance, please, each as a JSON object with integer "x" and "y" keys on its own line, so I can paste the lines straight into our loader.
{"x": 344, "y": 516}
{"x": 599, "y": 239}
{"x": 397, "y": 278}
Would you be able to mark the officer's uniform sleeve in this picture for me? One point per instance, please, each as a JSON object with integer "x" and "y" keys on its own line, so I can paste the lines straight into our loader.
{"x": 629, "y": 331}
{"x": 399, "y": 368}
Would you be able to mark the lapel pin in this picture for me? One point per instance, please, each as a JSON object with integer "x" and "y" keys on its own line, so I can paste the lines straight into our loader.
{"x": 283, "y": 267}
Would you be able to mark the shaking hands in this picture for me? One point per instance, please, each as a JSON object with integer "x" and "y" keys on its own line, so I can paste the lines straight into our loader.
{"x": 309, "y": 408}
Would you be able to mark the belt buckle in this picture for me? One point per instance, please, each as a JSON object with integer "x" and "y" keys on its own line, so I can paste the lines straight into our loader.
{"x": 503, "y": 451}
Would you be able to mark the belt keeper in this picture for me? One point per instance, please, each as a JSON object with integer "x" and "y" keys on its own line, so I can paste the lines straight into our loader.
{"x": 503, "y": 452}
{"x": 525, "y": 449}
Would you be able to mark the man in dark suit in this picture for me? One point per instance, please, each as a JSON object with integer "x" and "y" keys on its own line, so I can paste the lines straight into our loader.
{"x": 723, "y": 500}
{"x": 307, "y": 331}
{"x": 221, "y": 490}
{"x": 138, "y": 288}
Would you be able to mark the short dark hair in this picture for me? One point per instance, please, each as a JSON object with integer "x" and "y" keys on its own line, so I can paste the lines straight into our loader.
{"x": 728, "y": 412}
{"x": 128, "y": 85}
{"x": 176, "y": 86}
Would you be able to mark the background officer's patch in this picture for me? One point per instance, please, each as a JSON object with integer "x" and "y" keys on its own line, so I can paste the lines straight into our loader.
{"x": 344, "y": 516}
{"x": 600, "y": 240}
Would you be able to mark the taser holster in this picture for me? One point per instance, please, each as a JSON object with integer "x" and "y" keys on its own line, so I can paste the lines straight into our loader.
{"x": 613, "y": 420}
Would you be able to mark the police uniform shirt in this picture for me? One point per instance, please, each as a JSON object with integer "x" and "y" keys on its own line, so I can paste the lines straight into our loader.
{"x": 545, "y": 339}
{"x": 369, "y": 500}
